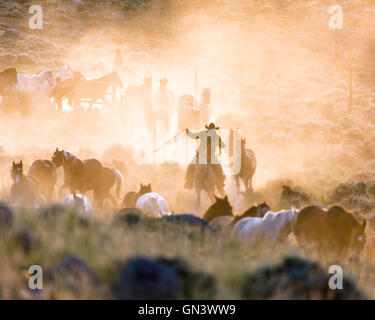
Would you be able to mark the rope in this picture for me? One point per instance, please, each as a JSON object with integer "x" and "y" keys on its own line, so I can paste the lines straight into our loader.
{"x": 168, "y": 141}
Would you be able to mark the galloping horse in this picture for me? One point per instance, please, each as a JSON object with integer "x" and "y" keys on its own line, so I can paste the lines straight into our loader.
{"x": 35, "y": 82}
{"x": 44, "y": 171}
{"x": 8, "y": 79}
{"x": 248, "y": 166}
{"x": 81, "y": 175}
{"x": 25, "y": 189}
{"x": 64, "y": 88}
{"x": 94, "y": 89}
{"x": 206, "y": 179}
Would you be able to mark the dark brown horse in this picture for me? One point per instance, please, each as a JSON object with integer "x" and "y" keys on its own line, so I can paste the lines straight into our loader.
{"x": 44, "y": 171}
{"x": 257, "y": 211}
{"x": 25, "y": 189}
{"x": 333, "y": 231}
{"x": 8, "y": 79}
{"x": 220, "y": 208}
{"x": 248, "y": 167}
{"x": 130, "y": 199}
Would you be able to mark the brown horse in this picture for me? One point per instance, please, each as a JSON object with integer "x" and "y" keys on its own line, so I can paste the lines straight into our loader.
{"x": 44, "y": 171}
{"x": 248, "y": 167}
{"x": 94, "y": 89}
{"x": 25, "y": 189}
{"x": 110, "y": 178}
{"x": 333, "y": 231}
{"x": 130, "y": 199}
{"x": 220, "y": 208}
{"x": 8, "y": 79}
{"x": 81, "y": 175}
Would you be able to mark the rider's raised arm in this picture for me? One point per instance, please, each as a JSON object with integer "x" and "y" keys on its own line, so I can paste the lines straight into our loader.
{"x": 194, "y": 135}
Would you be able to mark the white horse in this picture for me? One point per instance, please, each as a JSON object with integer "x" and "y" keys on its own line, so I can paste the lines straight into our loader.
{"x": 66, "y": 73}
{"x": 79, "y": 203}
{"x": 270, "y": 230}
{"x": 42, "y": 82}
{"x": 152, "y": 204}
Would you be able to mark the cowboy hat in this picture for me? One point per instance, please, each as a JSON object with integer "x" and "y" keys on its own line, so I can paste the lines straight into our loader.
{"x": 212, "y": 126}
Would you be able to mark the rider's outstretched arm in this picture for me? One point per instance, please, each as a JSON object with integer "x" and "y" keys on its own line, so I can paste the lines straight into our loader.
{"x": 194, "y": 135}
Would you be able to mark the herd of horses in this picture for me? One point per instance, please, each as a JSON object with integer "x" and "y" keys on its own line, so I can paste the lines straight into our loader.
{"x": 328, "y": 231}
{"x": 324, "y": 229}
{"x": 73, "y": 87}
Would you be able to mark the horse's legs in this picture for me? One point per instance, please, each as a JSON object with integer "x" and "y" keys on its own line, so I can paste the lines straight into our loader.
{"x": 98, "y": 198}
{"x": 112, "y": 198}
{"x": 198, "y": 192}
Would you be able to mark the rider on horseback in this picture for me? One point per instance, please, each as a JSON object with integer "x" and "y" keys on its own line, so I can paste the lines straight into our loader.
{"x": 213, "y": 142}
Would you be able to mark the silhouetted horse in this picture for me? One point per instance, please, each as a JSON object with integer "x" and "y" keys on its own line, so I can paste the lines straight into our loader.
{"x": 44, "y": 171}
{"x": 8, "y": 79}
{"x": 110, "y": 178}
{"x": 257, "y": 211}
{"x": 25, "y": 189}
{"x": 248, "y": 167}
{"x": 220, "y": 208}
{"x": 81, "y": 175}
{"x": 64, "y": 88}
{"x": 226, "y": 223}
{"x": 58, "y": 158}
{"x": 130, "y": 199}
{"x": 94, "y": 89}
{"x": 333, "y": 231}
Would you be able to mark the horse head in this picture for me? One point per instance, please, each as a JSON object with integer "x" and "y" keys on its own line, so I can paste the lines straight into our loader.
{"x": 262, "y": 209}
{"x": 220, "y": 208}
{"x": 17, "y": 170}
{"x": 46, "y": 75}
{"x": 144, "y": 189}
{"x": 58, "y": 157}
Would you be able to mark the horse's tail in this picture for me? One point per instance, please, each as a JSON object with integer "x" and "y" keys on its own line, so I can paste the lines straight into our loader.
{"x": 118, "y": 181}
